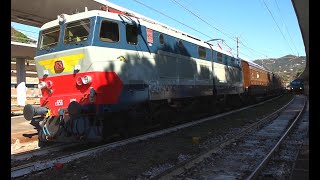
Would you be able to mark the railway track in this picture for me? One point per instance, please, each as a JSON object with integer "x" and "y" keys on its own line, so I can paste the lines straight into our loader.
{"x": 39, "y": 152}
{"x": 244, "y": 155}
{"x": 48, "y": 163}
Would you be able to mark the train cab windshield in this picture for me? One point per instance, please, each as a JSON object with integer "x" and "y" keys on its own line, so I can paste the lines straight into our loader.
{"x": 77, "y": 31}
{"x": 49, "y": 38}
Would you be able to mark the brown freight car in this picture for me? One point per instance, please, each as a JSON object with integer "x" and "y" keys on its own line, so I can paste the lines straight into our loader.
{"x": 256, "y": 79}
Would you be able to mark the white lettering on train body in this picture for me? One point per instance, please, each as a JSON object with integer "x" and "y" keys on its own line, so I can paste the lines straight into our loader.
{"x": 59, "y": 102}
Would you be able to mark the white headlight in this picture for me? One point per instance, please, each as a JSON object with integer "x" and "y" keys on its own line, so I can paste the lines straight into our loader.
{"x": 61, "y": 18}
{"x": 42, "y": 85}
{"x": 45, "y": 72}
{"x": 77, "y": 67}
{"x": 87, "y": 79}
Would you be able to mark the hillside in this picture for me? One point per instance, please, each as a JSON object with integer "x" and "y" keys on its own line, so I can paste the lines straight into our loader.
{"x": 19, "y": 37}
{"x": 287, "y": 66}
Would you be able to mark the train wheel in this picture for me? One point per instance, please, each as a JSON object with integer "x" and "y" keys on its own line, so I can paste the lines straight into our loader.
{"x": 134, "y": 122}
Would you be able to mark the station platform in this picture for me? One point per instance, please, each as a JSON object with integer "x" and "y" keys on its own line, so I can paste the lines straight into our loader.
{"x": 301, "y": 167}
{"x": 18, "y": 110}
{"x": 21, "y": 129}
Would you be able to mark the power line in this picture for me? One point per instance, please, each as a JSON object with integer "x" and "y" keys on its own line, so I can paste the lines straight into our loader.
{"x": 171, "y": 18}
{"x": 26, "y": 31}
{"x": 277, "y": 25}
{"x": 212, "y": 19}
{"x": 245, "y": 41}
{"x": 33, "y": 36}
{"x": 214, "y": 27}
{"x": 286, "y": 26}
{"x": 246, "y": 55}
{"x": 252, "y": 49}
{"x": 203, "y": 20}
{"x": 193, "y": 28}
{"x": 235, "y": 50}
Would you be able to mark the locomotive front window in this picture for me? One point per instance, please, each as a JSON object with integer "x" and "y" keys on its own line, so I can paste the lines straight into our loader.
{"x": 77, "y": 31}
{"x": 109, "y": 31}
{"x": 49, "y": 38}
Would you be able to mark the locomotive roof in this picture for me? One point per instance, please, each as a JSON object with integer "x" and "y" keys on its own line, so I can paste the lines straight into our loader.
{"x": 151, "y": 24}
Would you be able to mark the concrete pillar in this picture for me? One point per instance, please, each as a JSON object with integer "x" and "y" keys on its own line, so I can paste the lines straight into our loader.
{"x": 21, "y": 70}
{"x": 306, "y": 88}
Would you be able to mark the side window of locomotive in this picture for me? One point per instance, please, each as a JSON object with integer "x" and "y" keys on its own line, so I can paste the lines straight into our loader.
{"x": 233, "y": 62}
{"x": 219, "y": 57}
{"x": 202, "y": 52}
{"x": 49, "y": 38}
{"x": 226, "y": 60}
{"x": 132, "y": 34}
{"x": 77, "y": 31}
{"x": 161, "y": 39}
{"x": 182, "y": 49}
{"x": 109, "y": 31}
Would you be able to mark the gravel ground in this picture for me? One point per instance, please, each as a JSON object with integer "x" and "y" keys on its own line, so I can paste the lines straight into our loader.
{"x": 239, "y": 159}
{"x": 146, "y": 159}
{"x": 18, "y": 147}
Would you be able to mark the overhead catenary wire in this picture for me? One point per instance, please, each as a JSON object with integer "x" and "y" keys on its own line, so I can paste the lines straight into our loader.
{"x": 211, "y": 20}
{"x": 215, "y": 27}
{"x": 177, "y": 21}
{"x": 251, "y": 49}
{"x": 184, "y": 24}
{"x": 26, "y": 31}
{"x": 172, "y": 18}
{"x": 22, "y": 30}
{"x": 277, "y": 25}
{"x": 229, "y": 36}
{"x": 245, "y": 41}
{"x": 203, "y": 19}
{"x": 286, "y": 26}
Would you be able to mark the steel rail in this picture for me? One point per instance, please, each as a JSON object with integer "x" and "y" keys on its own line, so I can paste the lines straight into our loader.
{"x": 258, "y": 169}
{"x": 178, "y": 169}
{"x": 40, "y": 151}
{"x": 45, "y": 164}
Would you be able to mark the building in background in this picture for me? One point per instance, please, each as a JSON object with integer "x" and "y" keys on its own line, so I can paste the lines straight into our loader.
{"x": 33, "y": 92}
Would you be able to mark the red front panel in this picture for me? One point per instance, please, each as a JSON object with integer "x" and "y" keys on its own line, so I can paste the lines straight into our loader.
{"x": 107, "y": 86}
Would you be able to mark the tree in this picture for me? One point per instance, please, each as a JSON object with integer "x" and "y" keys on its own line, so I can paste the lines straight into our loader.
{"x": 299, "y": 73}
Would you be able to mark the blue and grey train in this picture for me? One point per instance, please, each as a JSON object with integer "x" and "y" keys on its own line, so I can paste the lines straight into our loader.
{"x": 102, "y": 72}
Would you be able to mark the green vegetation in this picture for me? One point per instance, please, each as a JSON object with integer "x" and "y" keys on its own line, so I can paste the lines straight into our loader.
{"x": 19, "y": 37}
{"x": 288, "y": 67}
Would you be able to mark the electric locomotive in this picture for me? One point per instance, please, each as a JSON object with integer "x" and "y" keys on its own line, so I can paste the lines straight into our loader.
{"x": 100, "y": 71}
{"x": 296, "y": 86}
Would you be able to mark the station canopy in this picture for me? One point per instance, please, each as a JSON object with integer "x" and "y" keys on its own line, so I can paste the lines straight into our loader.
{"x": 302, "y": 11}
{"x": 22, "y": 50}
{"x": 38, "y": 12}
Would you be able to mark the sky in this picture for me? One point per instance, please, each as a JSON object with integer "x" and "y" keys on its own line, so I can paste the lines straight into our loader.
{"x": 264, "y": 28}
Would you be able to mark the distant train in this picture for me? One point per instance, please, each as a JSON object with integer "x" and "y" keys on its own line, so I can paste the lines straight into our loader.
{"x": 106, "y": 71}
{"x": 296, "y": 86}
